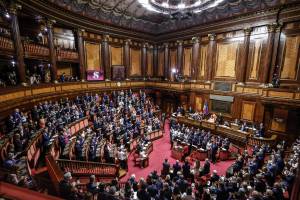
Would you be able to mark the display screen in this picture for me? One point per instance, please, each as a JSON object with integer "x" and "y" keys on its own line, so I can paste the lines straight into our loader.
{"x": 93, "y": 75}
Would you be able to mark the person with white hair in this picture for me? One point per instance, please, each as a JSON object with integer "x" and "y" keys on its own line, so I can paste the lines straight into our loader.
{"x": 65, "y": 186}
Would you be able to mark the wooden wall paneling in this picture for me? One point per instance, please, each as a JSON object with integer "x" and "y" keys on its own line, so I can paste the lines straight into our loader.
{"x": 259, "y": 112}
{"x": 161, "y": 58}
{"x": 254, "y": 59}
{"x": 192, "y": 96}
{"x": 202, "y": 62}
{"x": 198, "y": 103}
{"x": 150, "y": 62}
{"x": 242, "y": 67}
{"x": 116, "y": 55}
{"x": 135, "y": 62}
{"x": 266, "y": 69}
{"x": 226, "y": 60}
{"x": 276, "y": 49}
{"x": 248, "y": 110}
{"x": 279, "y": 120}
{"x": 92, "y": 55}
{"x": 290, "y": 62}
{"x": 187, "y": 61}
{"x": 236, "y": 107}
{"x": 257, "y": 54}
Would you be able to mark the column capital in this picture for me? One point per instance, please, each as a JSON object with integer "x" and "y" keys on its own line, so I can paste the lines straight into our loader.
{"x": 211, "y": 36}
{"x": 14, "y": 7}
{"x": 80, "y": 32}
{"x": 279, "y": 26}
{"x": 128, "y": 41}
{"x": 195, "y": 39}
{"x": 105, "y": 38}
{"x": 145, "y": 44}
{"x": 49, "y": 23}
{"x": 166, "y": 45}
{"x": 247, "y": 31}
{"x": 272, "y": 27}
{"x": 179, "y": 42}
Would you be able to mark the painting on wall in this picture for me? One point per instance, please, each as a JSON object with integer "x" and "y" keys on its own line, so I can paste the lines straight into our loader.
{"x": 92, "y": 56}
{"x": 118, "y": 72}
{"x": 135, "y": 61}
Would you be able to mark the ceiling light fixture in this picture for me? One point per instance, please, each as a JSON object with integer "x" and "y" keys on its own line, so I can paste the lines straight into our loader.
{"x": 185, "y": 7}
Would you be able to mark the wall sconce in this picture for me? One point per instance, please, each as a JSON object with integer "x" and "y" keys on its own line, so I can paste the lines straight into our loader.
{"x": 7, "y": 15}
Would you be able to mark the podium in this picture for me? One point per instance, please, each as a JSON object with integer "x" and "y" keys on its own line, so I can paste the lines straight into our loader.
{"x": 177, "y": 152}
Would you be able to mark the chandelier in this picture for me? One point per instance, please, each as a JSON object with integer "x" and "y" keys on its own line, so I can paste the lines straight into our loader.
{"x": 181, "y": 8}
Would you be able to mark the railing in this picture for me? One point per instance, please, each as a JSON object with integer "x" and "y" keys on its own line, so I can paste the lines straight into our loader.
{"x": 9, "y": 191}
{"x": 83, "y": 168}
{"x": 232, "y": 133}
{"x": 253, "y": 141}
{"x": 6, "y": 43}
{"x": 74, "y": 128}
{"x": 35, "y": 49}
{"x": 66, "y": 55}
{"x": 54, "y": 171}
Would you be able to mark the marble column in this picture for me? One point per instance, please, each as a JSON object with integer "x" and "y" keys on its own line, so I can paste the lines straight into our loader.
{"x": 210, "y": 56}
{"x": 52, "y": 50}
{"x": 195, "y": 58}
{"x": 180, "y": 57}
{"x": 144, "y": 60}
{"x": 105, "y": 58}
{"x": 275, "y": 58}
{"x": 167, "y": 72}
{"x": 269, "y": 52}
{"x": 155, "y": 61}
{"x": 127, "y": 58}
{"x": 242, "y": 71}
{"x": 19, "y": 51}
{"x": 82, "y": 67}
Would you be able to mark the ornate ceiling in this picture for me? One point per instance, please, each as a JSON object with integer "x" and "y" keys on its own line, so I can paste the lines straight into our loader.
{"x": 133, "y": 14}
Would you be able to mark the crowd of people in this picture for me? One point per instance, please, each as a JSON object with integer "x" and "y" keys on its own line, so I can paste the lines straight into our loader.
{"x": 116, "y": 118}
{"x": 203, "y": 140}
{"x": 245, "y": 126}
{"x": 272, "y": 176}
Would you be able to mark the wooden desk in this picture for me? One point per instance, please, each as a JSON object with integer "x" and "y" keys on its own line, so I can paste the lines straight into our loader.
{"x": 233, "y": 134}
{"x": 208, "y": 125}
{"x": 253, "y": 140}
{"x": 177, "y": 153}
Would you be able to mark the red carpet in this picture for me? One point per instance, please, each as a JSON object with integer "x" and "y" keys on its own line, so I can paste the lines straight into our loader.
{"x": 162, "y": 150}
